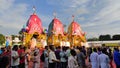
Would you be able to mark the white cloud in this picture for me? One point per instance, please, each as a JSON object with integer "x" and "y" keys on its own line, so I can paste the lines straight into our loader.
{"x": 108, "y": 14}
{"x": 97, "y": 17}
{"x": 104, "y": 22}
{"x": 70, "y": 6}
{"x": 12, "y": 16}
{"x": 5, "y": 4}
{"x": 81, "y": 18}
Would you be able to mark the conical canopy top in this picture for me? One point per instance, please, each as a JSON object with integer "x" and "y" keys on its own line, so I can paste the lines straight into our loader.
{"x": 56, "y": 27}
{"x": 34, "y": 24}
{"x": 75, "y": 29}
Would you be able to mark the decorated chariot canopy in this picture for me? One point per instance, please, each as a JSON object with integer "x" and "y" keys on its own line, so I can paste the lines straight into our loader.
{"x": 56, "y": 27}
{"x": 74, "y": 30}
{"x": 34, "y": 24}
{"x": 33, "y": 31}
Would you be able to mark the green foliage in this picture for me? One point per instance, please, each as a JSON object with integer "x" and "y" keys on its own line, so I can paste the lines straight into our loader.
{"x": 2, "y": 39}
{"x": 92, "y": 39}
{"x": 13, "y": 36}
{"x": 116, "y": 37}
{"x": 20, "y": 32}
{"x": 112, "y": 44}
{"x": 104, "y": 37}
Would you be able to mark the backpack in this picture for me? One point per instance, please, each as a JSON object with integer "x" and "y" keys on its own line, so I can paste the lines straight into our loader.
{"x": 42, "y": 57}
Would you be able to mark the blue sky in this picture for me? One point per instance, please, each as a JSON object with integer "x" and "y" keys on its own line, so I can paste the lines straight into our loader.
{"x": 96, "y": 17}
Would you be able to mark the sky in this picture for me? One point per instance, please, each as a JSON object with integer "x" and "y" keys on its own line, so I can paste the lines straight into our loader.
{"x": 96, "y": 17}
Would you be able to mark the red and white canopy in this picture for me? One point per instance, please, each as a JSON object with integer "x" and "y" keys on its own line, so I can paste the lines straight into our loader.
{"x": 34, "y": 24}
{"x": 56, "y": 27}
{"x": 75, "y": 29}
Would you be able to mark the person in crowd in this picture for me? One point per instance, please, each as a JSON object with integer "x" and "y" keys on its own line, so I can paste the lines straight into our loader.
{"x": 99, "y": 51}
{"x": 89, "y": 51}
{"x": 63, "y": 58}
{"x": 9, "y": 54}
{"x": 52, "y": 57}
{"x": 68, "y": 51}
{"x": 77, "y": 50}
{"x": 4, "y": 62}
{"x": 36, "y": 60}
{"x": 21, "y": 53}
{"x": 103, "y": 59}
{"x": 84, "y": 50}
{"x": 4, "y": 51}
{"x": 94, "y": 59}
{"x": 46, "y": 57}
{"x": 27, "y": 56}
{"x": 72, "y": 62}
{"x": 57, "y": 53}
{"x": 0, "y": 54}
{"x": 117, "y": 57}
{"x": 0, "y": 51}
{"x": 81, "y": 59}
{"x": 106, "y": 51}
{"x": 110, "y": 54}
{"x": 38, "y": 52}
{"x": 15, "y": 57}
{"x": 28, "y": 50}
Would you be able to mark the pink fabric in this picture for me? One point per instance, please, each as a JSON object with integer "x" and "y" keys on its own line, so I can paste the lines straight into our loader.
{"x": 58, "y": 27}
{"x": 76, "y": 29}
{"x": 34, "y": 24}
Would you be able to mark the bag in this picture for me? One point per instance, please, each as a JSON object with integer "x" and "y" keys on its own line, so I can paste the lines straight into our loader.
{"x": 42, "y": 57}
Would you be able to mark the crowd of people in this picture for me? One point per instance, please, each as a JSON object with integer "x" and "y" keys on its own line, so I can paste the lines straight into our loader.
{"x": 59, "y": 57}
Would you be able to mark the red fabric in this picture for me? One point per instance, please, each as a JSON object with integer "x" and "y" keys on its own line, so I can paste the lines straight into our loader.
{"x": 20, "y": 51}
{"x": 58, "y": 27}
{"x": 8, "y": 54}
{"x": 34, "y": 24}
{"x": 76, "y": 29}
{"x": 5, "y": 53}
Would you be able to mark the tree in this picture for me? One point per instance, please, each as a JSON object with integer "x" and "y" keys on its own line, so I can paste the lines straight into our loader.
{"x": 13, "y": 36}
{"x": 107, "y": 37}
{"x": 116, "y": 37}
{"x": 2, "y": 39}
{"x": 20, "y": 32}
{"x": 101, "y": 38}
{"x": 104, "y": 37}
{"x": 92, "y": 39}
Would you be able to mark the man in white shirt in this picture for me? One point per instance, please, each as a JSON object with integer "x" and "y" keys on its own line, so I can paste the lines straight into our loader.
{"x": 103, "y": 59}
{"x": 52, "y": 57}
{"x": 15, "y": 57}
{"x": 94, "y": 59}
{"x": 72, "y": 62}
{"x": 63, "y": 58}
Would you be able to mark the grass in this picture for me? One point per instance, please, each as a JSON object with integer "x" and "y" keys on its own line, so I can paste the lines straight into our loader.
{"x": 112, "y": 44}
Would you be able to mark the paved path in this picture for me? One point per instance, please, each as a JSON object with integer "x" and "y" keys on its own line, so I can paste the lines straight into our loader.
{"x": 41, "y": 64}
